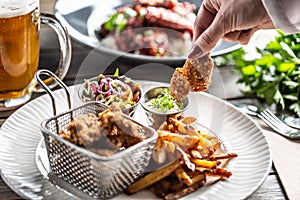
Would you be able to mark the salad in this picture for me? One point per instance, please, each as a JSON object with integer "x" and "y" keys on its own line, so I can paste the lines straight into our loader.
{"x": 107, "y": 89}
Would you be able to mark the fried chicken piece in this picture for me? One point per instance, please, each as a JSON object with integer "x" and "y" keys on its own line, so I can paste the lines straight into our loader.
{"x": 180, "y": 87}
{"x": 81, "y": 124}
{"x": 105, "y": 134}
{"x": 194, "y": 76}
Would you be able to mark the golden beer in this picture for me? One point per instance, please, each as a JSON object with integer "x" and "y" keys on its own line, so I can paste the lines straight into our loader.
{"x": 19, "y": 53}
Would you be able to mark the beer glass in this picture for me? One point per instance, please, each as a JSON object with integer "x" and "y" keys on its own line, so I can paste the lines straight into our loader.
{"x": 19, "y": 50}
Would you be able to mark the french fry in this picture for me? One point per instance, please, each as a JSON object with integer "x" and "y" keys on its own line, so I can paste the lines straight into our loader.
{"x": 223, "y": 156}
{"x": 163, "y": 126}
{"x": 196, "y": 154}
{"x": 183, "y": 176}
{"x": 171, "y": 146}
{"x": 207, "y": 146}
{"x": 202, "y": 169}
{"x": 153, "y": 177}
{"x": 197, "y": 178}
{"x": 162, "y": 187}
{"x": 188, "y": 120}
{"x": 220, "y": 172}
{"x": 182, "y": 127}
{"x": 182, "y": 140}
{"x": 171, "y": 128}
{"x": 185, "y": 191}
{"x": 186, "y": 159}
{"x": 159, "y": 153}
{"x": 202, "y": 160}
{"x": 205, "y": 163}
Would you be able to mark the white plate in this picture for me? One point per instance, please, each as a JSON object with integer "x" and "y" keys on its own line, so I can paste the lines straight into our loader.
{"x": 83, "y": 18}
{"x": 20, "y": 136}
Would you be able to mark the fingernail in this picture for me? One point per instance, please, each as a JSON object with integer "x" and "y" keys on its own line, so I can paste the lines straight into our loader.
{"x": 195, "y": 52}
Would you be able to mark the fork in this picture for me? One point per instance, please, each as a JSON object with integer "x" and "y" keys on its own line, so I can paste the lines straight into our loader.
{"x": 277, "y": 125}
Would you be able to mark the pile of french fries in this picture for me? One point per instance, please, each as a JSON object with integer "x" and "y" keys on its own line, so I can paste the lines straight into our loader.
{"x": 187, "y": 159}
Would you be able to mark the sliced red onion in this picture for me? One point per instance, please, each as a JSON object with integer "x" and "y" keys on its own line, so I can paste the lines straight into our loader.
{"x": 94, "y": 88}
{"x": 101, "y": 92}
{"x": 121, "y": 84}
{"x": 105, "y": 80}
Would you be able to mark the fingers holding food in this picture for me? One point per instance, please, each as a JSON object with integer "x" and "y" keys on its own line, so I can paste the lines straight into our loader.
{"x": 194, "y": 76}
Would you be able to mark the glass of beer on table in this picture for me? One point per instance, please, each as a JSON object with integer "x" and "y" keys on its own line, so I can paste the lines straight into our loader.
{"x": 19, "y": 50}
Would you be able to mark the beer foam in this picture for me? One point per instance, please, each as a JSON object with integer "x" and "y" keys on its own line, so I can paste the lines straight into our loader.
{"x": 12, "y": 8}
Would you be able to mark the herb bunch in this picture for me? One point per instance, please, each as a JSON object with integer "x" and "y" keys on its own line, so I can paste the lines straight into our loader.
{"x": 275, "y": 76}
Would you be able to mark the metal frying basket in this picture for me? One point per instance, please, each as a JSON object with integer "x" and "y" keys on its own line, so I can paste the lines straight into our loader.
{"x": 84, "y": 173}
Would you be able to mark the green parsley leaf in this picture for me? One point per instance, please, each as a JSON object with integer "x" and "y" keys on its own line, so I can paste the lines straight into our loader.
{"x": 275, "y": 75}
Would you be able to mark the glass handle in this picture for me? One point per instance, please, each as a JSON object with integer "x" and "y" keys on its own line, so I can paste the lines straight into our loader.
{"x": 65, "y": 48}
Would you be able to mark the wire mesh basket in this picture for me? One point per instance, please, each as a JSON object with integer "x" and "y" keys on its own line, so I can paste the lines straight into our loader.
{"x": 87, "y": 174}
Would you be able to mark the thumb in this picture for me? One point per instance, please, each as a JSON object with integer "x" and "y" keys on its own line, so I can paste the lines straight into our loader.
{"x": 206, "y": 41}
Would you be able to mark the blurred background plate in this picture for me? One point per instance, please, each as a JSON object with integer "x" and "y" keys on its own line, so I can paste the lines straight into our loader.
{"x": 83, "y": 18}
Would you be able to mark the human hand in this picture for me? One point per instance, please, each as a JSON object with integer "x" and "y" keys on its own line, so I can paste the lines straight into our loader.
{"x": 232, "y": 20}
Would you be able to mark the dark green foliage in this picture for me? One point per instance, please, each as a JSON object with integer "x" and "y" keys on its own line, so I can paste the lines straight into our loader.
{"x": 275, "y": 76}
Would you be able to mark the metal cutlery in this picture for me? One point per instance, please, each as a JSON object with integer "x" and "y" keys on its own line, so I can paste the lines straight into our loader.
{"x": 252, "y": 110}
{"x": 291, "y": 121}
{"x": 271, "y": 120}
